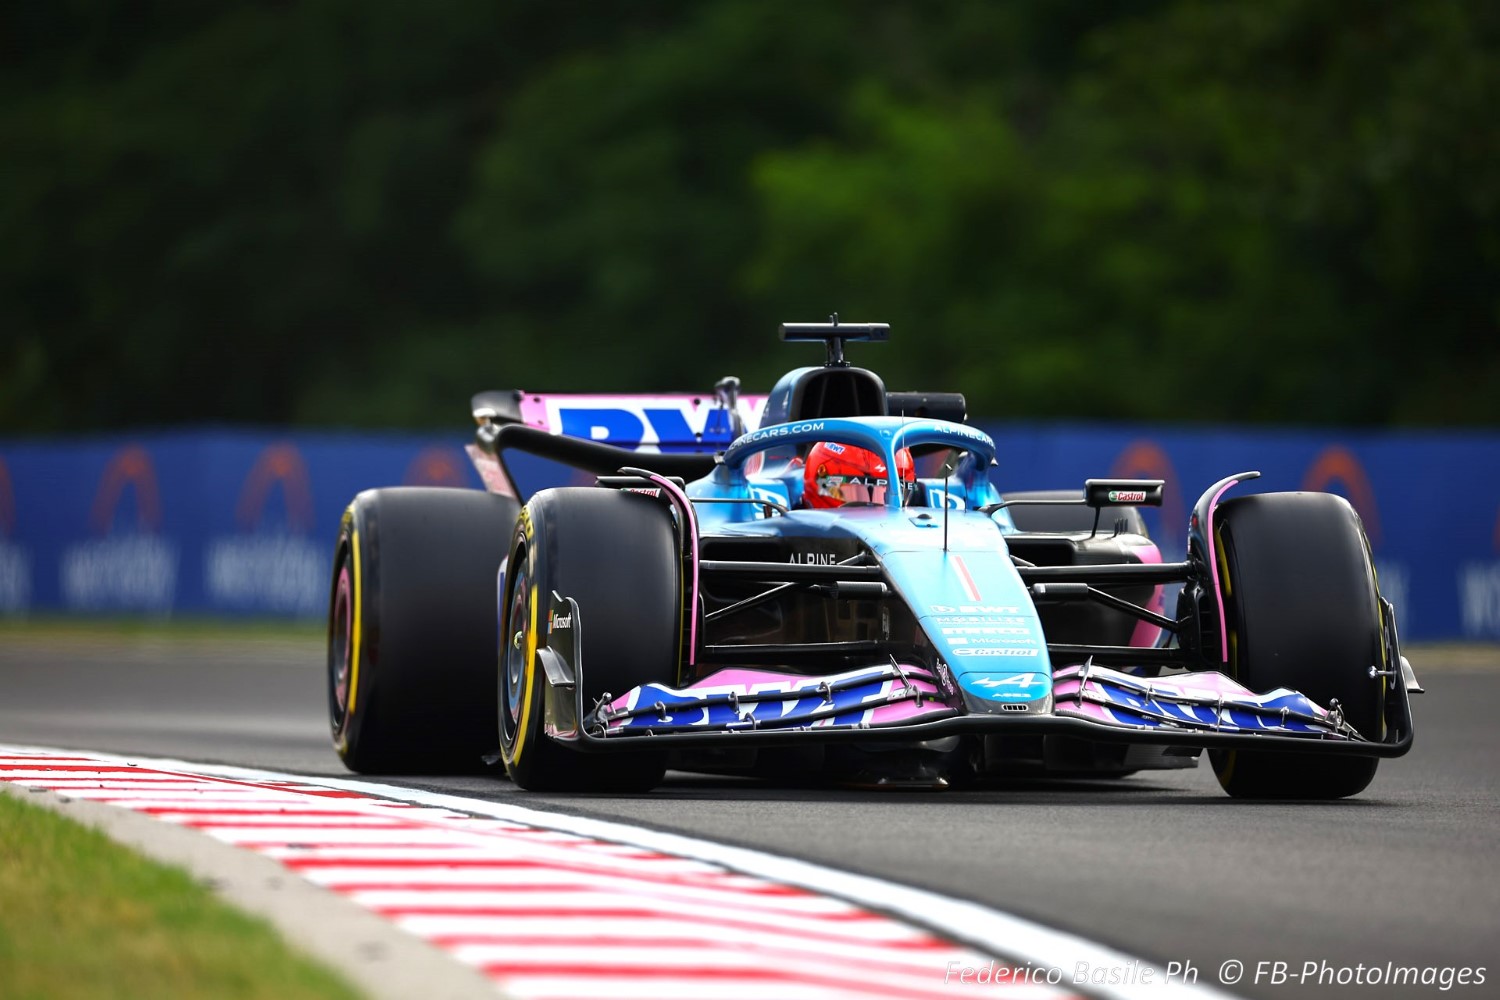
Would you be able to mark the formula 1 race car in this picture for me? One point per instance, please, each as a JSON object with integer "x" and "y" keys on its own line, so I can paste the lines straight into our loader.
{"x": 824, "y": 582}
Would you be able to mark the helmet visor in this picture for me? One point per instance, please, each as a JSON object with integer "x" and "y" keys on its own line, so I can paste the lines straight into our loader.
{"x": 853, "y": 489}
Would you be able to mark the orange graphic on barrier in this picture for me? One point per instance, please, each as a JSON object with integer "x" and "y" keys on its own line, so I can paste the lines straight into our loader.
{"x": 1145, "y": 459}
{"x": 130, "y": 466}
{"x": 278, "y": 463}
{"x": 1337, "y": 465}
{"x": 436, "y": 466}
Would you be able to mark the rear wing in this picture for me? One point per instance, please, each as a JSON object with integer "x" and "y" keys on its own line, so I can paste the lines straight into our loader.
{"x": 673, "y": 434}
{"x": 674, "y": 422}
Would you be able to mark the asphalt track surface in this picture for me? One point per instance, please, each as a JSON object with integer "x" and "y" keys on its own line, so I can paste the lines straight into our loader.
{"x": 1161, "y": 865}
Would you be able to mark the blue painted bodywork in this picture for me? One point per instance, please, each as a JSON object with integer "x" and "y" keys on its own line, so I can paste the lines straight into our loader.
{"x": 949, "y": 563}
{"x": 942, "y": 547}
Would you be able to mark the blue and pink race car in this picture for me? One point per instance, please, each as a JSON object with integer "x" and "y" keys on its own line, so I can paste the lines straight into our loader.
{"x": 825, "y": 583}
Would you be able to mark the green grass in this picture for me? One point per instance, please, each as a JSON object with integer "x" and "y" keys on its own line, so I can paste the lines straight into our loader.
{"x": 82, "y": 918}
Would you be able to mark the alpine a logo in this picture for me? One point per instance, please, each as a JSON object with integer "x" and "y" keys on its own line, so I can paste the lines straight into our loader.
{"x": 1013, "y": 680}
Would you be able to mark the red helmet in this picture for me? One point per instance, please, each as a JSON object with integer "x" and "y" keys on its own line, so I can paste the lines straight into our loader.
{"x": 837, "y": 474}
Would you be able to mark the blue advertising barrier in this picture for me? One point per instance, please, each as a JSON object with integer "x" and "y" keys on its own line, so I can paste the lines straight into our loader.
{"x": 242, "y": 522}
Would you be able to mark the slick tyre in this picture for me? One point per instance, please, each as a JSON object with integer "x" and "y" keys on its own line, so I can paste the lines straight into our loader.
{"x": 411, "y": 629}
{"x": 1302, "y": 612}
{"x": 616, "y": 554}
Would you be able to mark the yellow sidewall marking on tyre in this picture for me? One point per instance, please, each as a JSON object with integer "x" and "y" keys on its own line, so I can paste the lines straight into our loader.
{"x": 1226, "y": 773}
{"x": 524, "y": 718}
{"x": 1223, "y": 559}
{"x": 357, "y": 629}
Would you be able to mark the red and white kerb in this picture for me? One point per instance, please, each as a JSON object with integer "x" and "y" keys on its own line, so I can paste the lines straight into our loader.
{"x": 546, "y": 913}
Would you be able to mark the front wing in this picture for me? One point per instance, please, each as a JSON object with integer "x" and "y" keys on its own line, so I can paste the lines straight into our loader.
{"x": 902, "y": 701}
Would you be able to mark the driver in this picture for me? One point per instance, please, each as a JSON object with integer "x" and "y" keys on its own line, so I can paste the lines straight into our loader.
{"x": 838, "y": 474}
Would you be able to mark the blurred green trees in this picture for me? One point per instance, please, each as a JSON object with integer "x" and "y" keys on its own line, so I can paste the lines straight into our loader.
{"x": 347, "y": 212}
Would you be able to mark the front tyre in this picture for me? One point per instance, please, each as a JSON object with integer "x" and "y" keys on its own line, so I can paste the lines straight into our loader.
{"x": 1303, "y": 612}
{"x": 411, "y": 629}
{"x": 616, "y": 554}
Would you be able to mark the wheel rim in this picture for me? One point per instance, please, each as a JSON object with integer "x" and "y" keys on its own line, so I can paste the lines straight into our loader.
{"x": 340, "y": 669}
{"x": 514, "y": 638}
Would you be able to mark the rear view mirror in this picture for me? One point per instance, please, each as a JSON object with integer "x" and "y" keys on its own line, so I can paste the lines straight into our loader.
{"x": 1123, "y": 492}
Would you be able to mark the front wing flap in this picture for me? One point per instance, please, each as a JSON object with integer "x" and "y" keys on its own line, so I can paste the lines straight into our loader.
{"x": 892, "y": 699}
{"x": 1199, "y": 701}
{"x": 742, "y": 699}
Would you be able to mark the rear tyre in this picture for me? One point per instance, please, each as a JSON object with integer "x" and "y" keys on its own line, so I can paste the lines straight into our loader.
{"x": 1302, "y": 612}
{"x": 411, "y": 629}
{"x": 616, "y": 555}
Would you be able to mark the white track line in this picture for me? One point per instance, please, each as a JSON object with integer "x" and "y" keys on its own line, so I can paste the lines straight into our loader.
{"x": 551, "y": 905}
